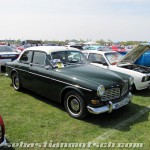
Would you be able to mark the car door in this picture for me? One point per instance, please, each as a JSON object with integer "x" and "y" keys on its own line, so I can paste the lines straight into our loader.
{"x": 41, "y": 81}
{"x": 23, "y": 68}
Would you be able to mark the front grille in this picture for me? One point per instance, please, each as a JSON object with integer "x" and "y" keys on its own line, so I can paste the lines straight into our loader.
{"x": 111, "y": 94}
{"x": 125, "y": 89}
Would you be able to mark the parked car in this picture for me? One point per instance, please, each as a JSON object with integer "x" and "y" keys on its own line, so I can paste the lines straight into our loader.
{"x": 6, "y": 55}
{"x": 116, "y": 62}
{"x": 64, "y": 75}
{"x": 15, "y": 48}
{"x": 118, "y": 48}
{"x": 2, "y": 133}
{"x": 23, "y": 47}
{"x": 96, "y": 47}
{"x": 32, "y": 42}
{"x": 128, "y": 49}
{"x": 75, "y": 46}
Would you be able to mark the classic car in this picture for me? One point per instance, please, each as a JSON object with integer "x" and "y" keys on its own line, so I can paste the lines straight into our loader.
{"x": 2, "y": 133}
{"x": 64, "y": 75}
{"x": 116, "y": 62}
{"x": 7, "y": 54}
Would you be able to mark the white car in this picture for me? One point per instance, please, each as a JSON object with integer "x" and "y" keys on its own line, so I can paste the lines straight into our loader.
{"x": 116, "y": 62}
{"x": 6, "y": 55}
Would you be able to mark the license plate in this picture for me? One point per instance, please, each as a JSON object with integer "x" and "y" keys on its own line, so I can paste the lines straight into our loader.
{"x": 122, "y": 103}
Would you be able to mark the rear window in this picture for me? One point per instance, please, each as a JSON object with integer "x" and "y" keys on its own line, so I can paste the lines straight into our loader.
{"x": 26, "y": 57}
{"x": 5, "y": 49}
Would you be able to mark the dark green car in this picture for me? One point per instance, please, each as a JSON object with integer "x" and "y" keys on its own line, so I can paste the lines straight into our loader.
{"x": 64, "y": 75}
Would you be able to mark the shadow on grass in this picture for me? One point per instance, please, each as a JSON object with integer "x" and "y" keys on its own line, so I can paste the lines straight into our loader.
{"x": 144, "y": 93}
{"x": 42, "y": 98}
{"x": 122, "y": 119}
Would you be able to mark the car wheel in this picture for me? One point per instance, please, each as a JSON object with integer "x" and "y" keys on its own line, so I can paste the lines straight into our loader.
{"x": 133, "y": 88}
{"x": 75, "y": 105}
{"x": 16, "y": 83}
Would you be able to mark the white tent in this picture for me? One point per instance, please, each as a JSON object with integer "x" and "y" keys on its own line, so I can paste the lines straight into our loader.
{"x": 90, "y": 43}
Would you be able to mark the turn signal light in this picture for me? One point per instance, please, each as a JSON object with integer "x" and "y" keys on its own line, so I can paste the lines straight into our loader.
{"x": 95, "y": 102}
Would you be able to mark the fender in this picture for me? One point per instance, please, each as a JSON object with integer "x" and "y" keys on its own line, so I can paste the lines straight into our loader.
{"x": 69, "y": 88}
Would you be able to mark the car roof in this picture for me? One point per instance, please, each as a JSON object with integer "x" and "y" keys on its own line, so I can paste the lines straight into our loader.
{"x": 50, "y": 49}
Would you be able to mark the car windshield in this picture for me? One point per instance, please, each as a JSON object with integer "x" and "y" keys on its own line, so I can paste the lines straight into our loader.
{"x": 67, "y": 58}
{"x": 113, "y": 58}
{"x": 5, "y": 49}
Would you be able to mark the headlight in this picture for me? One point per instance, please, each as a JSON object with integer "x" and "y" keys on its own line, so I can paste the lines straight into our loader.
{"x": 146, "y": 78}
{"x": 131, "y": 80}
{"x": 100, "y": 90}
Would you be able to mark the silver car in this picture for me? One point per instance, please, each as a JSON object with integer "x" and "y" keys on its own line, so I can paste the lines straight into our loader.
{"x": 7, "y": 55}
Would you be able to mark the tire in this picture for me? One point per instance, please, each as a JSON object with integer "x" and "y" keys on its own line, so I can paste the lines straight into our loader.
{"x": 133, "y": 88}
{"x": 16, "y": 83}
{"x": 75, "y": 105}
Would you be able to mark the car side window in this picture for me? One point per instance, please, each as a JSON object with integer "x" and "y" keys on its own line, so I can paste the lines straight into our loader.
{"x": 26, "y": 57}
{"x": 39, "y": 58}
{"x": 93, "y": 57}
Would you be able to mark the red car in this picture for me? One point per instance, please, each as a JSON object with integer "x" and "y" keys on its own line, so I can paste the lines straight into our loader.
{"x": 2, "y": 133}
{"x": 118, "y": 48}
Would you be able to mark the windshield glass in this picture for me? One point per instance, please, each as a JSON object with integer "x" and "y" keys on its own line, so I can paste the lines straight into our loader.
{"x": 5, "y": 49}
{"x": 113, "y": 58}
{"x": 68, "y": 58}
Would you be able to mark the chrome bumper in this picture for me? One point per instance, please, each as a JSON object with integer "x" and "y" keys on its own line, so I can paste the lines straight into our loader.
{"x": 4, "y": 143}
{"x": 110, "y": 107}
{"x": 6, "y": 74}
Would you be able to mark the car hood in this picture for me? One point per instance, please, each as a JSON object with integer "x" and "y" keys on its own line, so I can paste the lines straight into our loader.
{"x": 93, "y": 75}
{"x": 134, "y": 54}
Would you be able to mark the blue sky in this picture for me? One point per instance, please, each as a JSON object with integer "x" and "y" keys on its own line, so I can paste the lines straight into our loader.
{"x": 75, "y": 19}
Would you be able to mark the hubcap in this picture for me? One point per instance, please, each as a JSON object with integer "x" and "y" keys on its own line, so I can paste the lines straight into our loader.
{"x": 74, "y": 104}
{"x": 16, "y": 82}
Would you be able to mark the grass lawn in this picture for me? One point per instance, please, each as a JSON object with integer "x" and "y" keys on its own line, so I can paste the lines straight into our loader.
{"x": 31, "y": 118}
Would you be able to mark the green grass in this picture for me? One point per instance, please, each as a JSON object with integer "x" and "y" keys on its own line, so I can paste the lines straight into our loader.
{"x": 31, "y": 118}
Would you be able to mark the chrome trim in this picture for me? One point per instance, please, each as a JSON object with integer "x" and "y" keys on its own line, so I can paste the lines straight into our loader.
{"x": 111, "y": 94}
{"x": 6, "y": 74}
{"x": 110, "y": 105}
{"x": 51, "y": 78}
{"x": 4, "y": 143}
{"x": 124, "y": 89}
{"x": 108, "y": 108}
